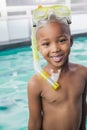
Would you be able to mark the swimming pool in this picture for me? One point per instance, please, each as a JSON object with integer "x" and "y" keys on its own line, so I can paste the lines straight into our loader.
{"x": 16, "y": 67}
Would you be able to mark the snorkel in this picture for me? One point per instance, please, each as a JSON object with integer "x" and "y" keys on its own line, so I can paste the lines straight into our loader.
{"x": 61, "y": 12}
{"x": 37, "y": 66}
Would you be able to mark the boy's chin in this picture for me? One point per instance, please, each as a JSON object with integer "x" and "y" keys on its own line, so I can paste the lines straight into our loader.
{"x": 57, "y": 66}
{"x": 60, "y": 64}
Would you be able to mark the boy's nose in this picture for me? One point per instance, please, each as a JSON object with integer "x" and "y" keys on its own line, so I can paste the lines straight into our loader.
{"x": 55, "y": 47}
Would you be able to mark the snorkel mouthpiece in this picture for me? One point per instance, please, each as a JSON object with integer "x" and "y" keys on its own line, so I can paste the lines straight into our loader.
{"x": 49, "y": 79}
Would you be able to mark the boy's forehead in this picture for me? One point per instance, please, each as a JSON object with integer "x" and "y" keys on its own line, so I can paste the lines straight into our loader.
{"x": 53, "y": 27}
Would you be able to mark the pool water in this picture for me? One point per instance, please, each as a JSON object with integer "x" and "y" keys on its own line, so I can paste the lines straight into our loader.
{"x": 16, "y": 68}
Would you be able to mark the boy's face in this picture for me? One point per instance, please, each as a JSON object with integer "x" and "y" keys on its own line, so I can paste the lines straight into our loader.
{"x": 54, "y": 42}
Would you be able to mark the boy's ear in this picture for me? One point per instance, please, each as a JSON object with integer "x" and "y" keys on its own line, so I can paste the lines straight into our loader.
{"x": 71, "y": 41}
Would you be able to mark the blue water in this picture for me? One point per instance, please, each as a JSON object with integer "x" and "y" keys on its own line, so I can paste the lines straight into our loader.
{"x": 16, "y": 67}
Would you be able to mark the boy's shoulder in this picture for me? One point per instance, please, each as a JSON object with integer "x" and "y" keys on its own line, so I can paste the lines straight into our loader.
{"x": 80, "y": 69}
{"x": 34, "y": 84}
{"x": 78, "y": 66}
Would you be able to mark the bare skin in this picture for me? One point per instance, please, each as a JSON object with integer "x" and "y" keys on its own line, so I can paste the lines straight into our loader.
{"x": 64, "y": 108}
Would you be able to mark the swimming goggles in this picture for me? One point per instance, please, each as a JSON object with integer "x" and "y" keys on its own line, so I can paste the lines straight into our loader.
{"x": 60, "y": 11}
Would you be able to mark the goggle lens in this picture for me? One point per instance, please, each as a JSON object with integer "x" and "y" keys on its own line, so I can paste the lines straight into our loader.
{"x": 43, "y": 12}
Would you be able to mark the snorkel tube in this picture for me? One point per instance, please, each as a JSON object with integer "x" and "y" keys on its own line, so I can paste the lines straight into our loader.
{"x": 52, "y": 80}
{"x": 37, "y": 66}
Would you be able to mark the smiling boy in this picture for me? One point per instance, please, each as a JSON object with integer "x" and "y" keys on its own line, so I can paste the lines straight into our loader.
{"x": 64, "y": 108}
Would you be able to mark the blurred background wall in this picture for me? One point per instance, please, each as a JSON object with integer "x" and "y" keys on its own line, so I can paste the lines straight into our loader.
{"x": 15, "y": 21}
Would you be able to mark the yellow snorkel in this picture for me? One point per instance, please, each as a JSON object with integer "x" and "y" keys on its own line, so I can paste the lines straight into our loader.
{"x": 37, "y": 16}
{"x": 37, "y": 67}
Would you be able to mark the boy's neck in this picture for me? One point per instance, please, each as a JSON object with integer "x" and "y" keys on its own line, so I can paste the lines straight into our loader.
{"x": 64, "y": 68}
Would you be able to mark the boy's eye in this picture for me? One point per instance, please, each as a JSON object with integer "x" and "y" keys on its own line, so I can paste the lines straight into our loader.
{"x": 45, "y": 44}
{"x": 63, "y": 40}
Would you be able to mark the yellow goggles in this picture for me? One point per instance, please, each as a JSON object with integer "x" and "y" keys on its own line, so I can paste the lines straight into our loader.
{"x": 60, "y": 11}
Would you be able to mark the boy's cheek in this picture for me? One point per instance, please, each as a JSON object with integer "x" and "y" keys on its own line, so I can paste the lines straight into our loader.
{"x": 39, "y": 49}
{"x": 66, "y": 47}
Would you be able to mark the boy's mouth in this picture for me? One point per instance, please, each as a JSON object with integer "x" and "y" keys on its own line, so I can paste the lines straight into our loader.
{"x": 57, "y": 58}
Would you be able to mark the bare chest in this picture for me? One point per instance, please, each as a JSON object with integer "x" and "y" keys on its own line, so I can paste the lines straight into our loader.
{"x": 68, "y": 91}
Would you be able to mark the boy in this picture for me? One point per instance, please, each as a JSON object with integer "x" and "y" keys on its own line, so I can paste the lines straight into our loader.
{"x": 64, "y": 108}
